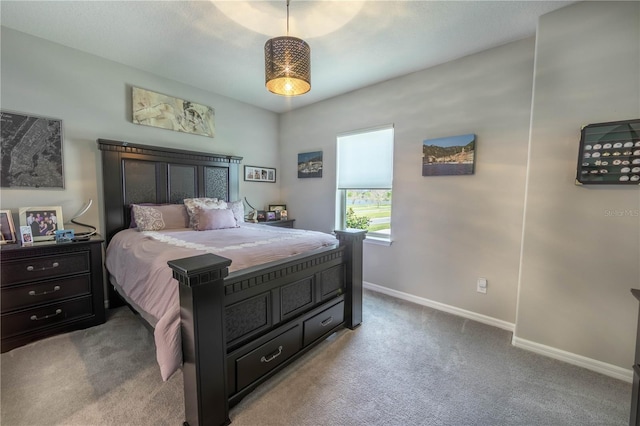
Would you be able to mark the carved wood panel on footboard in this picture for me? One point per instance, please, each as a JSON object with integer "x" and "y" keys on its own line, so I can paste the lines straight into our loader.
{"x": 260, "y": 320}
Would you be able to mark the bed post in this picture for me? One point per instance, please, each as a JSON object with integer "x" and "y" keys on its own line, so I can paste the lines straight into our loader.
{"x": 204, "y": 349}
{"x": 352, "y": 239}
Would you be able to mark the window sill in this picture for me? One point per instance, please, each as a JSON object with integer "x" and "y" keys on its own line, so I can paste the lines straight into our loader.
{"x": 378, "y": 241}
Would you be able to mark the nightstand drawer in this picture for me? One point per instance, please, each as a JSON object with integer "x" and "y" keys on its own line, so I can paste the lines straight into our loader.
{"x": 20, "y": 322}
{"x": 322, "y": 323}
{"x": 28, "y": 270}
{"x": 265, "y": 358}
{"x": 23, "y": 296}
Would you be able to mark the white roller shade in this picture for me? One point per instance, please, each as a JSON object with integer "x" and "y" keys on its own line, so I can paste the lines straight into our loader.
{"x": 365, "y": 159}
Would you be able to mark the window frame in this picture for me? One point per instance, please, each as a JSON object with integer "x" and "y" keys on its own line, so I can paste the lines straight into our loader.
{"x": 341, "y": 194}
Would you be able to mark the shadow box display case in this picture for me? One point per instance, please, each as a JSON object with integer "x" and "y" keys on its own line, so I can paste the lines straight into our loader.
{"x": 610, "y": 153}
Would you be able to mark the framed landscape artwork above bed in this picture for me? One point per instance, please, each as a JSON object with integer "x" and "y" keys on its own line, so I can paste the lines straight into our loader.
{"x": 158, "y": 110}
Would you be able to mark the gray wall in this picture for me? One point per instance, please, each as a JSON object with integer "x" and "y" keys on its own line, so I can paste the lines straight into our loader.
{"x": 579, "y": 257}
{"x": 447, "y": 230}
{"x": 578, "y": 263}
{"x": 92, "y": 96}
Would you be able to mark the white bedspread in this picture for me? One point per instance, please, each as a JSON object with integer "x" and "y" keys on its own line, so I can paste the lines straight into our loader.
{"x": 138, "y": 263}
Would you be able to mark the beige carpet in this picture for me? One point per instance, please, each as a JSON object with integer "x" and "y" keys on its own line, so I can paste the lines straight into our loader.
{"x": 406, "y": 365}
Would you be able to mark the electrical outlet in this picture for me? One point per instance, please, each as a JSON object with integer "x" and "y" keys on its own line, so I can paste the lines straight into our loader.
{"x": 482, "y": 285}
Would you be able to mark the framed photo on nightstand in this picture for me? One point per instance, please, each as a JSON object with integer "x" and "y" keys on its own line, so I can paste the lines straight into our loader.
{"x": 7, "y": 229}
{"x": 43, "y": 221}
{"x": 278, "y": 208}
{"x": 25, "y": 235}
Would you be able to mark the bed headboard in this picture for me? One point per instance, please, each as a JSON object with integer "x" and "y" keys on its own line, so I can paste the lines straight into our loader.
{"x": 134, "y": 173}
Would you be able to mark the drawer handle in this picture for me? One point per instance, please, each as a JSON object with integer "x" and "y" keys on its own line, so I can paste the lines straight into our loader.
{"x": 33, "y": 293}
{"x": 53, "y": 265}
{"x": 327, "y": 322}
{"x": 272, "y": 356}
{"x": 35, "y": 318}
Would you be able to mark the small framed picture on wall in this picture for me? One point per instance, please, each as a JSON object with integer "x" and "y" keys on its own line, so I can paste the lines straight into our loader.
{"x": 310, "y": 164}
{"x": 259, "y": 174}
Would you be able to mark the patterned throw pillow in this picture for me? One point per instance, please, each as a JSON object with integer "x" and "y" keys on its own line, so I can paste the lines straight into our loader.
{"x": 148, "y": 218}
{"x": 174, "y": 216}
{"x": 209, "y": 219}
{"x": 238, "y": 210}
{"x": 205, "y": 203}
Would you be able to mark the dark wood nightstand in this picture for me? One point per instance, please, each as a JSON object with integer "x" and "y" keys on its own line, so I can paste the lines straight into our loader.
{"x": 49, "y": 288}
{"x": 286, "y": 223}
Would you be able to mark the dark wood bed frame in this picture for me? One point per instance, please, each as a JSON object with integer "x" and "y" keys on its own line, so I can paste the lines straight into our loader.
{"x": 238, "y": 329}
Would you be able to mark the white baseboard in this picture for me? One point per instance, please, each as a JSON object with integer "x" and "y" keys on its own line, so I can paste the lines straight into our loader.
{"x": 574, "y": 359}
{"x": 568, "y": 357}
{"x": 441, "y": 306}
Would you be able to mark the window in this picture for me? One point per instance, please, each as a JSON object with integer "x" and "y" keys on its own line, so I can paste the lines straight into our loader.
{"x": 365, "y": 175}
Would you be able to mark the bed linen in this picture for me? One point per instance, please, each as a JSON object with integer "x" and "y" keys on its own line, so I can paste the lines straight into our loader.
{"x": 137, "y": 264}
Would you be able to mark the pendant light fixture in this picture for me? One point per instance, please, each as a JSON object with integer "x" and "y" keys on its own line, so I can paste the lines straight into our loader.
{"x": 287, "y": 64}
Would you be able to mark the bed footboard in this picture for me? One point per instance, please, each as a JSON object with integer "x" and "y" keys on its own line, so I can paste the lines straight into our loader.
{"x": 295, "y": 304}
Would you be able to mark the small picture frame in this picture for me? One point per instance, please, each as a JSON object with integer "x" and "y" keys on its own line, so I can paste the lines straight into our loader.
{"x": 64, "y": 236}
{"x": 259, "y": 174}
{"x": 283, "y": 215}
{"x": 25, "y": 236}
{"x": 7, "y": 229}
{"x": 43, "y": 221}
{"x": 271, "y": 216}
{"x": 277, "y": 207}
{"x": 261, "y": 215}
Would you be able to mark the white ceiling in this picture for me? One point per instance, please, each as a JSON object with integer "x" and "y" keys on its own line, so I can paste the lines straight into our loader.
{"x": 219, "y": 46}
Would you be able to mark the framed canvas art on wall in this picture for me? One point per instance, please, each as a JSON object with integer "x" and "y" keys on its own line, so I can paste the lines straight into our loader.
{"x": 452, "y": 155}
{"x": 31, "y": 154}
{"x": 310, "y": 164}
{"x": 158, "y": 110}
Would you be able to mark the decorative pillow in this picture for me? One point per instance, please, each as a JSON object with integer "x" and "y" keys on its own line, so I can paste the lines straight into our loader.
{"x": 155, "y": 218}
{"x": 208, "y": 219}
{"x": 132, "y": 223}
{"x": 238, "y": 210}
{"x": 205, "y": 203}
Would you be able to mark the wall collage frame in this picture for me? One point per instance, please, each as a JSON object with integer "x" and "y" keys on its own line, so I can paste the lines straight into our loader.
{"x": 609, "y": 154}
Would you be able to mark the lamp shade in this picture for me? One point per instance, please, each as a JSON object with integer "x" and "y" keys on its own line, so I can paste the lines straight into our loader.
{"x": 287, "y": 65}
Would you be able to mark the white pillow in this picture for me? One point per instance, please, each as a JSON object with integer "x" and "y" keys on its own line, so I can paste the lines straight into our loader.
{"x": 237, "y": 207}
